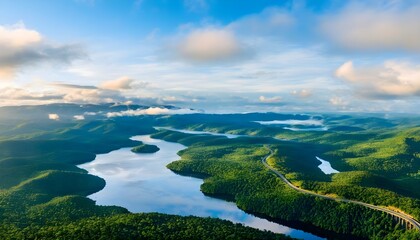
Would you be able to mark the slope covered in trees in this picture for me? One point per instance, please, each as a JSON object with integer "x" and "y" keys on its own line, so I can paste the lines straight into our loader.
{"x": 232, "y": 170}
{"x": 43, "y": 192}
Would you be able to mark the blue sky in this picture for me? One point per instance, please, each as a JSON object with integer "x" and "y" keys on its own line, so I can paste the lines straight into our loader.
{"x": 220, "y": 56}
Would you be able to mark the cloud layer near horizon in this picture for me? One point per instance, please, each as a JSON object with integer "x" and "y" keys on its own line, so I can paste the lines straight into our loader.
{"x": 151, "y": 111}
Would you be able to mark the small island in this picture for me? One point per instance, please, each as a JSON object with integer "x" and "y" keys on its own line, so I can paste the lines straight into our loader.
{"x": 145, "y": 148}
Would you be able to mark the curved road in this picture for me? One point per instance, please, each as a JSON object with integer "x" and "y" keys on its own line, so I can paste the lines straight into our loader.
{"x": 383, "y": 209}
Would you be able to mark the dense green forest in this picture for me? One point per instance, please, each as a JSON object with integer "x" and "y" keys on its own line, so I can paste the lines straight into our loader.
{"x": 387, "y": 149}
{"x": 43, "y": 192}
{"x": 232, "y": 170}
{"x": 138, "y": 226}
{"x": 388, "y": 177}
{"x": 145, "y": 148}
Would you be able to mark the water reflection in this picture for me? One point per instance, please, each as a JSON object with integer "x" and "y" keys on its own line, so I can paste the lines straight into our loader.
{"x": 142, "y": 183}
{"x": 325, "y": 166}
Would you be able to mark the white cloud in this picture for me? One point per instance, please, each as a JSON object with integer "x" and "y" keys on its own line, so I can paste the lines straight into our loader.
{"x": 366, "y": 27}
{"x": 209, "y": 44}
{"x": 53, "y": 116}
{"x": 87, "y": 95}
{"x": 21, "y": 47}
{"x": 90, "y": 94}
{"x": 392, "y": 79}
{"x": 292, "y": 122}
{"x": 79, "y": 117}
{"x": 90, "y": 113}
{"x": 17, "y": 36}
{"x": 270, "y": 100}
{"x": 121, "y": 83}
{"x": 151, "y": 111}
{"x": 16, "y": 93}
{"x": 41, "y": 92}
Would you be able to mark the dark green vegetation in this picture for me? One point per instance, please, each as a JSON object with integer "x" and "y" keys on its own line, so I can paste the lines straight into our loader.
{"x": 232, "y": 170}
{"x": 379, "y": 159}
{"x": 145, "y": 148}
{"x": 141, "y": 226}
{"x": 43, "y": 192}
{"x": 385, "y": 149}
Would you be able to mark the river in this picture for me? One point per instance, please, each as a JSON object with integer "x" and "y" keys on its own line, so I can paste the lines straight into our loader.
{"x": 142, "y": 183}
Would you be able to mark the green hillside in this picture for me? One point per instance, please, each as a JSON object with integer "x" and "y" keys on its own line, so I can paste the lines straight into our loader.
{"x": 43, "y": 192}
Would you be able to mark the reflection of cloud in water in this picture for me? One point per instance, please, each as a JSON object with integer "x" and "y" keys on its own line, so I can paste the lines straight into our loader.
{"x": 267, "y": 225}
{"x": 326, "y": 167}
{"x": 142, "y": 183}
{"x": 134, "y": 183}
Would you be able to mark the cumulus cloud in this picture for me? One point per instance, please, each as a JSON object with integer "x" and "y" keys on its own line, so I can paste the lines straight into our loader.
{"x": 18, "y": 36}
{"x": 79, "y": 117}
{"x": 363, "y": 27}
{"x": 151, "y": 111}
{"x": 21, "y": 47}
{"x": 90, "y": 113}
{"x": 121, "y": 83}
{"x": 209, "y": 44}
{"x": 391, "y": 80}
{"x": 90, "y": 94}
{"x": 270, "y": 100}
{"x": 53, "y": 116}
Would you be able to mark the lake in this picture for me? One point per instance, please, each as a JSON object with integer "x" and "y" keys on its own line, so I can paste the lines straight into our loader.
{"x": 326, "y": 167}
{"x": 142, "y": 183}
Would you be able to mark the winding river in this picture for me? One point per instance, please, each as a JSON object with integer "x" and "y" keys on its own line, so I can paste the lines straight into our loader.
{"x": 142, "y": 183}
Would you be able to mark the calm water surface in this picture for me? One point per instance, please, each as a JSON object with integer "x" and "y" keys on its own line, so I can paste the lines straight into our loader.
{"x": 325, "y": 166}
{"x": 142, "y": 183}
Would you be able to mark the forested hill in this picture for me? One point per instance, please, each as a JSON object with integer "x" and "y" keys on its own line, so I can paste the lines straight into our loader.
{"x": 43, "y": 192}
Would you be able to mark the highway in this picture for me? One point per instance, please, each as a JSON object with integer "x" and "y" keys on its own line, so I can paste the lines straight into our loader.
{"x": 403, "y": 216}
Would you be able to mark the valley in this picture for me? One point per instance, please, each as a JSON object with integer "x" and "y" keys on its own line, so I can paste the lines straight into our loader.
{"x": 76, "y": 174}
